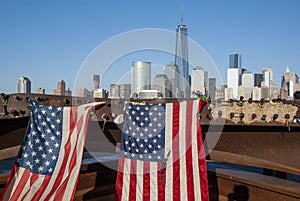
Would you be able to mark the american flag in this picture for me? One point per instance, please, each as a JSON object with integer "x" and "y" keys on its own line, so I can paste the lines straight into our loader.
{"x": 48, "y": 164}
{"x": 162, "y": 153}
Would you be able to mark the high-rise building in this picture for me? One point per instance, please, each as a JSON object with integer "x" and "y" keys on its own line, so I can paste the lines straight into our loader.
{"x": 162, "y": 84}
{"x": 199, "y": 81}
{"x": 234, "y": 76}
{"x": 172, "y": 72}
{"x": 233, "y": 80}
{"x": 96, "y": 80}
{"x": 247, "y": 79}
{"x": 258, "y": 78}
{"x": 120, "y": 90}
{"x": 181, "y": 59}
{"x": 235, "y": 61}
{"x": 61, "y": 88}
{"x": 23, "y": 85}
{"x": 141, "y": 76}
{"x": 212, "y": 88}
{"x": 290, "y": 82}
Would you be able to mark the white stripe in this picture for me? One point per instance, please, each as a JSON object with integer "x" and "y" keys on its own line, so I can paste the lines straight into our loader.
{"x": 35, "y": 187}
{"x": 168, "y": 147}
{"x": 80, "y": 145}
{"x": 182, "y": 151}
{"x": 126, "y": 180}
{"x": 15, "y": 180}
{"x": 139, "y": 180}
{"x": 153, "y": 181}
{"x": 195, "y": 156}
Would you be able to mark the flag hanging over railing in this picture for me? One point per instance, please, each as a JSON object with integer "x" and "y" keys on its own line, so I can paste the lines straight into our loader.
{"x": 48, "y": 164}
{"x": 162, "y": 153}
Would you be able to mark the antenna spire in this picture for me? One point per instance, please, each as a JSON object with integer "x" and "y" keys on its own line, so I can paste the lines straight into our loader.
{"x": 181, "y": 12}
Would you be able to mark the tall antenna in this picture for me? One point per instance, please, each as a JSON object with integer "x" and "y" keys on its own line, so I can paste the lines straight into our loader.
{"x": 181, "y": 11}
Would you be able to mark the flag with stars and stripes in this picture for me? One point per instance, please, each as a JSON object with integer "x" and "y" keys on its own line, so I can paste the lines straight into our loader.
{"x": 49, "y": 160}
{"x": 162, "y": 156}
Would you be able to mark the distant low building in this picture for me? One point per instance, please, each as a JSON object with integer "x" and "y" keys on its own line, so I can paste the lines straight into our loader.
{"x": 100, "y": 93}
{"x": 40, "y": 91}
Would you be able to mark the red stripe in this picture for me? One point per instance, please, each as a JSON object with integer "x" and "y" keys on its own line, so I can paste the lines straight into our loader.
{"x": 161, "y": 178}
{"x": 63, "y": 187}
{"x": 21, "y": 184}
{"x": 189, "y": 156}
{"x": 119, "y": 181}
{"x": 146, "y": 181}
{"x": 67, "y": 147}
{"x": 132, "y": 184}
{"x": 41, "y": 189}
{"x": 202, "y": 159}
{"x": 33, "y": 178}
{"x": 176, "y": 154}
{"x": 10, "y": 179}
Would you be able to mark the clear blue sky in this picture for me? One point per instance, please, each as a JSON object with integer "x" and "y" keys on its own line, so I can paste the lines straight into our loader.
{"x": 49, "y": 40}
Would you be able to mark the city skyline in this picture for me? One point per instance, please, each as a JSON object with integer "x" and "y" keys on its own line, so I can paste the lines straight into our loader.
{"x": 55, "y": 38}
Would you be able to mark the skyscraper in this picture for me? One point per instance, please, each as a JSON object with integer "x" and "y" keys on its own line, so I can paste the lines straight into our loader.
{"x": 23, "y": 85}
{"x": 141, "y": 76}
{"x": 96, "y": 80}
{"x": 181, "y": 59}
{"x": 235, "y": 61}
{"x": 61, "y": 88}
{"x": 212, "y": 87}
{"x": 258, "y": 78}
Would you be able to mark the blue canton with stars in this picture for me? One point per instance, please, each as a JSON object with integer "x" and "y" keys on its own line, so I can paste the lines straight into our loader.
{"x": 143, "y": 133}
{"x": 40, "y": 149}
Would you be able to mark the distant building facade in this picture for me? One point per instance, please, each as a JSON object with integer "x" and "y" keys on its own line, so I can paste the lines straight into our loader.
{"x": 172, "y": 72}
{"x": 23, "y": 85}
{"x": 141, "y": 76}
{"x": 162, "y": 84}
{"x": 199, "y": 81}
{"x": 212, "y": 88}
{"x": 40, "y": 91}
{"x": 61, "y": 88}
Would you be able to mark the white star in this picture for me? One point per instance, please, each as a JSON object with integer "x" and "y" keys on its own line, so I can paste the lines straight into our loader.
{"x": 24, "y": 147}
{"x": 154, "y": 140}
{"x": 40, "y": 148}
{"x": 33, "y": 153}
{"x": 40, "y": 169}
{"x": 50, "y": 107}
{"x": 158, "y": 146}
{"x": 57, "y": 133}
{"x": 52, "y": 138}
{"x": 126, "y": 142}
{"x": 50, "y": 170}
{"x": 56, "y": 145}
{"x": 43, "y": 135}
{"x": 27, "y": 163}
{"x": 150, "y": 146}
{"x": 44, "y": 155}
{"x": 142, "y": 113}
{"x": 145, "y": 151}
{"x": 159, "y": 135}
{"x": 37, "y": 161}
{"x": 155, "y": 108}
{"x": 132, "y": 144}
{"x": 154, "y": 119}
{"x": 53, "y": 114}
{"x": 37, "y": 140}
{"x": 133, "y": 112}
{"x": 149, "y": 156}
{"x": 33, "y": 133}
{"x": 25, "y": 155}
{"x": 141, "y": 145}
{"x": 39, "y": 116}
{"x": 141, "y": 156}
{"x": 137, "y": 150}
{"x": 39, "y": 128}
{"x": 48, "y": 130}
{"x": 47, "y": 163}
{"x": 50, "y": 151}
{"x": 137, "y": 108}
{"x": 53, "y": 157}
{"x": 43, "y": 111}
{"x": 159, "y": 114}
{"x": 58, "y": 121}
{"x": 146, "y": 108}
{"x": 43, "y": 123}
{"x": 132, "y": 155}
{"x": 59, "y": 108}
{"x": 158, "y": 157}
{"x": 52, "y": 126}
